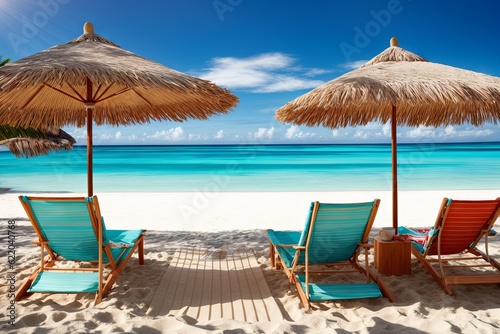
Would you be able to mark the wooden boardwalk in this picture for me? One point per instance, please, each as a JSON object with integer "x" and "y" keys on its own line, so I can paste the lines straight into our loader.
{"x": 208, "y": 285}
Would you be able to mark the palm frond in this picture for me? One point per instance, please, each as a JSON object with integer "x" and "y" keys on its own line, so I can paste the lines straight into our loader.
{"x": 31, "y": 143}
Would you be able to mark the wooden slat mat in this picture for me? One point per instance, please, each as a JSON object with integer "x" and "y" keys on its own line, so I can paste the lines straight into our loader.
{"x": 207, "y": 285}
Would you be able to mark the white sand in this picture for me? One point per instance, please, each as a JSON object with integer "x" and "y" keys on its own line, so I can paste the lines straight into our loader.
{"x": 238, "y": 221}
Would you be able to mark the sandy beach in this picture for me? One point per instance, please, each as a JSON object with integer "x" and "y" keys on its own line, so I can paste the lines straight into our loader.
{"x": 238, "y": 221}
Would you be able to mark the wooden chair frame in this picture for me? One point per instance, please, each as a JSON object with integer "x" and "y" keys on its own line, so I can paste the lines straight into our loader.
{"x": 353, "y": 263}
{"x": 48, "y": 262}
{"x": 439, "y": 265}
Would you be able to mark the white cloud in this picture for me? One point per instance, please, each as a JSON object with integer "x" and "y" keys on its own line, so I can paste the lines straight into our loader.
{"x": 422, "y": 132}
{"x": 451, "y": 131}
{"x": 448, "y": 132}
{"x": 104, "y": 137}
{"x": 283, "y": 83}
{"x": 294, "y": 132}
{"x": 264, "y": 133}
{"x": 134, "y": 138}
{"x": 177, "y": 133}
{"x": 173, "y": 134}
{"x": 354, "y": 64}
{"x": 316, "y": 71}
{"x": 78, "y": 133}
{"x": 198, "y": 137}
{"x": 361, "y": 134}
{"x": 369, "y": 130}
{"x": 338, "y": 134}
{"x": 118, "y": 135}
{"x": 264, "y": 73}
{"x": 483, "y": 133}
{"x": 386, "y": 129}
{"x": 220, "y": 134}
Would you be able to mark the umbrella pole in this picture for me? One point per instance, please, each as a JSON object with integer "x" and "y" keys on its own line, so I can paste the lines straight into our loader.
{"x": 90, "y": 183}
{"x": 89, "y": 106}
{"x": 394, "y": 143}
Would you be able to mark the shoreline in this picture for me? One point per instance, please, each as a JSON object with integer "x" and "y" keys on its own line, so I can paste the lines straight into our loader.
{"x": 222, "y": 211}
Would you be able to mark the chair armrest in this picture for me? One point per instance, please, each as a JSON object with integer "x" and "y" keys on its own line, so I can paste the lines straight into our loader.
{"x": 299, "y": 247}
{"x": 366, "y": 245}
{"x": 119, "y": 245}
{"x": 285, "y": 246}
{"x": 39, "y": 242}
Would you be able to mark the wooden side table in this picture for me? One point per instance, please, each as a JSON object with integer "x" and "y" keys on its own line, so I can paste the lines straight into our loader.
{"x": 392, "y": 257}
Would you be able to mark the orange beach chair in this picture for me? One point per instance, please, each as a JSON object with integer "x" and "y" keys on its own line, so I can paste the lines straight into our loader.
{"x": 448, "y": 250}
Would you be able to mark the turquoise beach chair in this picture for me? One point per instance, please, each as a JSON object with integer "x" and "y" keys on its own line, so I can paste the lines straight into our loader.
{"x": 331, "y": 241}
{"x": 72, "y": 229}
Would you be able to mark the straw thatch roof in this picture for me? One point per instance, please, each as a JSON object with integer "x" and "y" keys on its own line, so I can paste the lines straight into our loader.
{"x": 31, "y": 143}
{"x": 50, "y": 87}
{"x": 424, "y": 93}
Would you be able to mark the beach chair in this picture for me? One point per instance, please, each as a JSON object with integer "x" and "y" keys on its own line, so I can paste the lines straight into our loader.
{"x": 71, "y": 231}
{"x": 448, "y": 250}
{"x": 330, "y": 244}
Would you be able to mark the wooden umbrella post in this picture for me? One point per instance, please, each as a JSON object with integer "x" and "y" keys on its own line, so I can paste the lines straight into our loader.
{"x": 89, "y": 106}
{"x": 394, "y": 142}
{"x": 90, "y": 181}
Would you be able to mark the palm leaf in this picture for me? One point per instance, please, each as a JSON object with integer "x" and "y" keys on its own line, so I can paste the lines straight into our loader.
{"x": 31, "y": 143}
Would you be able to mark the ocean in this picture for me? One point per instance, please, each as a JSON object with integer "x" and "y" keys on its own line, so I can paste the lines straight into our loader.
{"x": 342, "y": 167}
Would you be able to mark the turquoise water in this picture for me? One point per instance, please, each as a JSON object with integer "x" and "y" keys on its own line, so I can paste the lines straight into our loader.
{"x": 257, "y": 168}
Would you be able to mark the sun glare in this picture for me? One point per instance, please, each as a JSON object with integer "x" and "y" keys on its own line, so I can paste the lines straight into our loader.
{"x": 30, "y": 25}
{"x": 11, "y": 16}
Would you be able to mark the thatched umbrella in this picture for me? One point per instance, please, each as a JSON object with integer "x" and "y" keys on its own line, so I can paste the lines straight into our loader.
{"x": 403, "y": 88}
{"x": 31, "y": 143}
{"x": 55, "y": 86}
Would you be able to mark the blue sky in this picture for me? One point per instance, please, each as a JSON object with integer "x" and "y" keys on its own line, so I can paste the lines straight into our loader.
{"x": 267, "y": 53}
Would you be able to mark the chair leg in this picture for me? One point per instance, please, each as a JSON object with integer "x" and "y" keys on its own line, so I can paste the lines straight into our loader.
{"x": 383, "y": 288}
{"x": 113, "y": 276}
{"x": 140, "y": 250}
{"x": 278, "y": 264}
{"x": 381, "y": 284}
{"x": 302, "y": 295}
{"x": 21, "y": 292}
{"x": 98, "y": 298}
{"x": 437, "y": 277}
{"x": 488, "y": 259}
{"x": 272, "y": 255}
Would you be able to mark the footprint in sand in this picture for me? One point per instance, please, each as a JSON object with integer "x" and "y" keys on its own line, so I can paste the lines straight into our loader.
{"x": 58, "y": 316}
{"x": 75, "y": 304}
{"x": 91, "y": 324}
{"x": 34, "y": 319}
{"x": 104, "y": 317}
